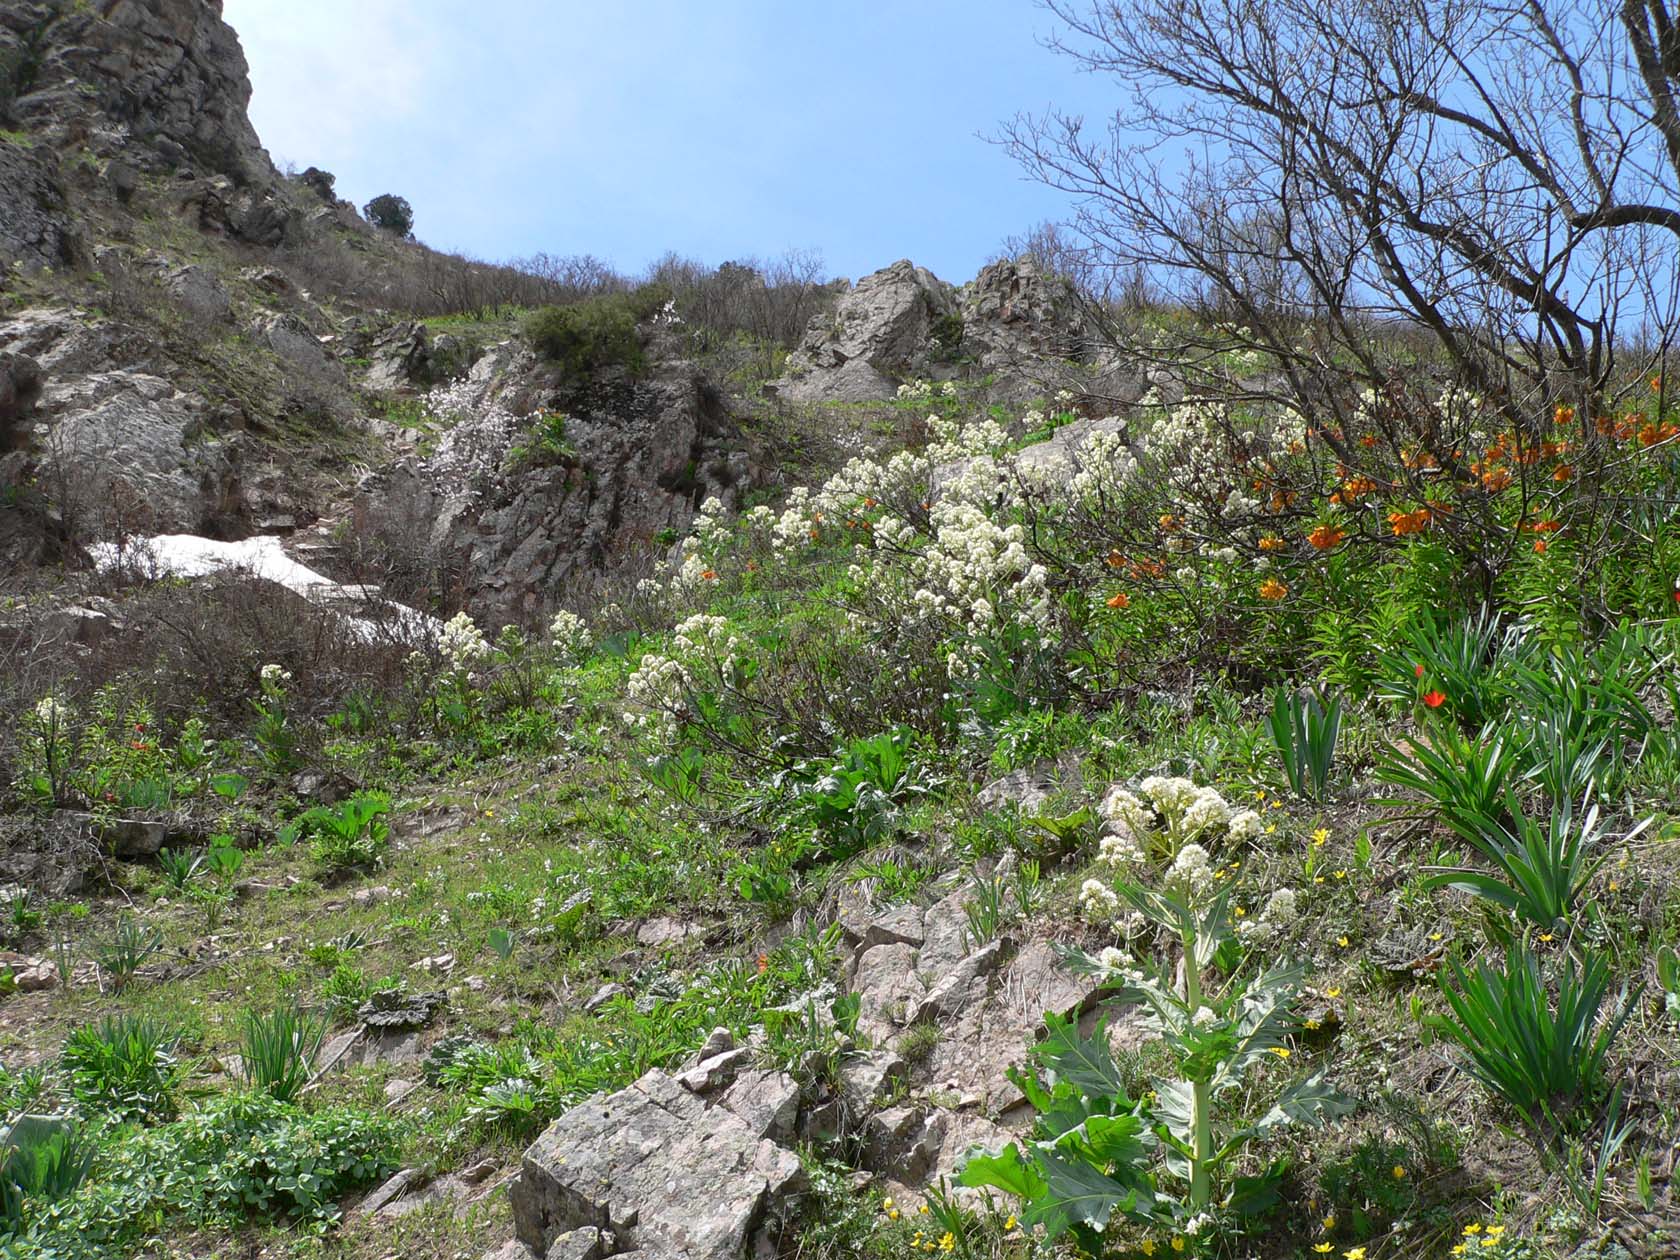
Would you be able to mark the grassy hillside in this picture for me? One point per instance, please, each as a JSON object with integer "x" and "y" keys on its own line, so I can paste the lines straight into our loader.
{"x": 1357, "y": 755}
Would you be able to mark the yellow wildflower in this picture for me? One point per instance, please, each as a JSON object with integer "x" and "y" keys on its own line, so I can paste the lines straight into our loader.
{"x": 1177, "y": 1243}
{"x": 1342, "y": 941}
{"x": 948, "y": 1242}
{"x": 1281, "y": 1051}
{"x": 1320, "y": 836}
{"x": 1332, "y": 993}
{"x": 1399, "y": 1172}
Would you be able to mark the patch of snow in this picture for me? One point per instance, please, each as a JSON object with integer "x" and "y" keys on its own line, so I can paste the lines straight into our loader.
{"x": 263, "y": 557}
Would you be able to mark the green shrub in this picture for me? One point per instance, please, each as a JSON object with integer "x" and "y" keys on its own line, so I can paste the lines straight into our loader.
{"x": 41, "y": 1161}
{"x": 390, "y": 213}
{"x": 126, "y": 1067}
{"x": 1304, "y": 729}
{"x": 241, "y": 1155}
{"x": 596, "y": 335}
{"x": 1544, "y": 1062}
{"x": 352, "y": 835}
{"x": 1543, "y": 867}
{"x": 279, "y": 1049}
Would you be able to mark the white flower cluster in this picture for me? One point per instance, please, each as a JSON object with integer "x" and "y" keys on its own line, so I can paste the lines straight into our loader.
{"x": 1279, "y": 913}
{"x": 1193, "y": 423}
{"x": 977, "y": 574}
{"x": 655, "y": 690}
{"x": 1120, "y": 850}
{"x": 1191, "y": 871}
{"x": 461, "y": 642}
{"x": 51, "y": 712}
{"x": 470, "y": 457}
{"x": 926, "y": 391}
{"x": 569, "y": 636}
{"x": 706, "y": 638}
{"x": 1099, "y": 903}
{"x": 272, "y": 678}
{"x": 1120, "y": 965}
{"x": 709, "y": 530}
{"x": 956, "y": 439}
{"x": 794, "y": 527}
{"x": 1104, "y": 466}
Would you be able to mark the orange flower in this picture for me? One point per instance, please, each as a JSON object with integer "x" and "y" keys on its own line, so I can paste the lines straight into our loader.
{"x": 1434, "y": 699}
{"x": 1404, "y": 523}
{"x": 710, "y": 575}
{"x": 1120, "y": 600}
{"x": 1354, "y": 487}
{"x": 763, "y": 963}
{"x": 1115, "y": 560}
{"x": 1563, "y": 415}
{"x": 1656, "y": 384}
{"x": 1418, "y": 669}
{"x": 1496, "y": 479}
{"x": 1368, "y": 441}
{"x": 1326, "y": 537}
{"x": 1273, "y": 589}
{"x": 869, "y": 503}
{"x": 1564, "y": 472}
{"x": 1539, "y": 546}
{"x": 1547, "y": 526}
{"x": 1169, "y": 523}
{"x": 1273, "y": 543}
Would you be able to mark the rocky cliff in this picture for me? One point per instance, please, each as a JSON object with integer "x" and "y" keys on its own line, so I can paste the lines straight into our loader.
{"x": 193, "y": 343}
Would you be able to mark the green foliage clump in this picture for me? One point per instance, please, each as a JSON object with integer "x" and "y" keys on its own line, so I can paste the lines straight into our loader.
{"x": 390, "y": 213}
{"x": 1543, "y": 1055}
{"x": 597, "y": 335}
{"x": 239, "y": 1156}
{"x": 352, "y": 835}
{"x": 279, "y": 1050}
{"x": 125, "y": 1067}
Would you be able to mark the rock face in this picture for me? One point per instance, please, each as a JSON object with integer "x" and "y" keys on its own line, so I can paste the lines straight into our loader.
{"x": 903, "y": 322}
{"x": 20, "y": 385}
{"x": 133, "y": 455}
{"x": 121, "y": 447}
{"x": 880, "y": 333}
{"x": 162, "y": 82}
{"x": 660, "y": 1170}
{"x": 34, "y": 225}
{"x": 1014, "y": 317}
{"x": 643, "y": 456}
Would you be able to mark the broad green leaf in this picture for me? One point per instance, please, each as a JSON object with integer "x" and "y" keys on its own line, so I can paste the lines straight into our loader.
{"x": 1307, "y": 1102}
{"x": 1008, "y": 1170}
{"x": 1078, "y": 1194}
{"x": 1084, "y": 1062}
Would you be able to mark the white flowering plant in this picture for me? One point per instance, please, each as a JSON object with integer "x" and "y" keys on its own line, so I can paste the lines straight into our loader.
{"x": 1167, "y": 813}
{"x": 1167, "y": 1161}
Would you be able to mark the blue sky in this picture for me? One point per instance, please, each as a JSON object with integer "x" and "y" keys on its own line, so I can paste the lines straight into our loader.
{"x": 715, "y": 128}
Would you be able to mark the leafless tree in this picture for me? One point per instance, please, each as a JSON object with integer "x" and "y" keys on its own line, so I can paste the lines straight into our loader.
{"x": 1502, "y": 174}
